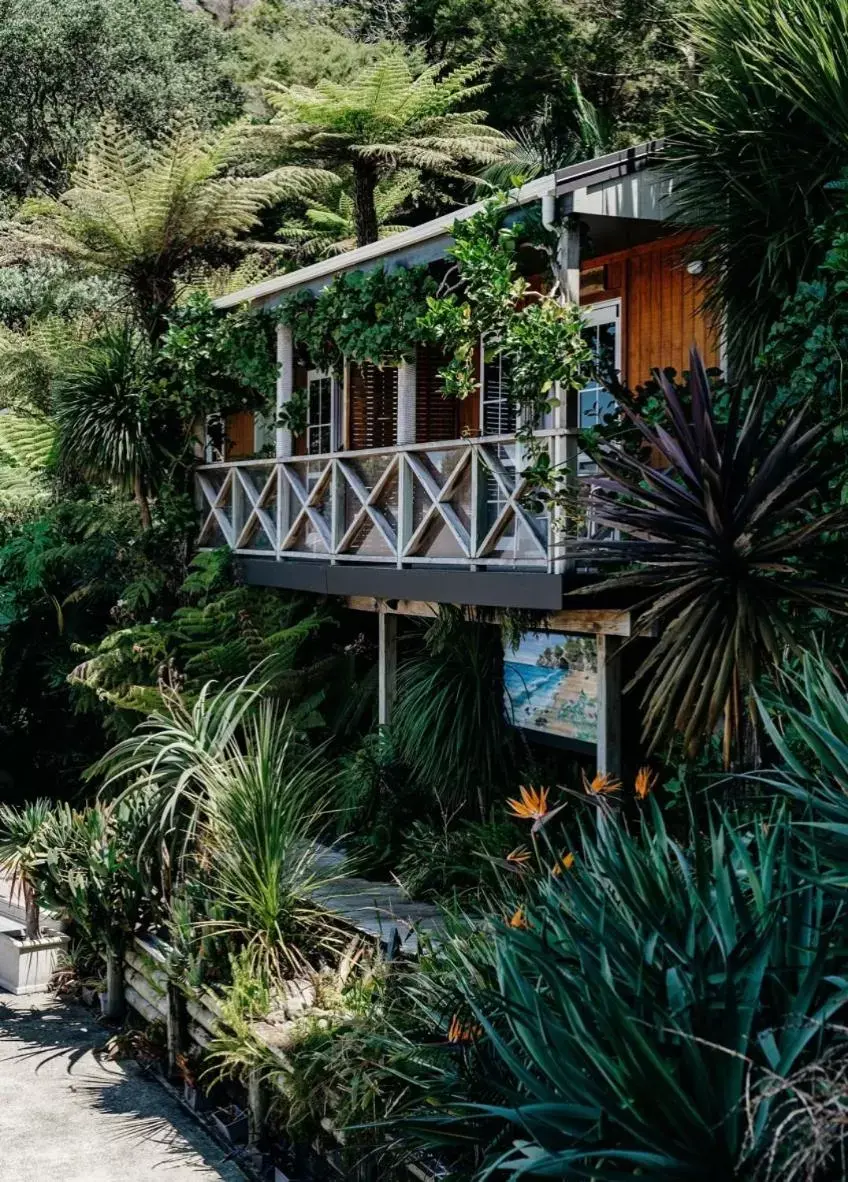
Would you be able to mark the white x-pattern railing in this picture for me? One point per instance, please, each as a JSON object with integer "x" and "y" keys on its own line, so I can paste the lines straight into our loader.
{"x": 462, "y": 502}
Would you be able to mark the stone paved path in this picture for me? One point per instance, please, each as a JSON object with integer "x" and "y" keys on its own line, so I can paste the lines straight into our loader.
{"x": 67, "y": 1116}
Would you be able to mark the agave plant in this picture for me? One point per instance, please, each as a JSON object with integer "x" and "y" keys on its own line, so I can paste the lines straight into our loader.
{"x": 645, "y": 991}
{"x": 724, "y": 539}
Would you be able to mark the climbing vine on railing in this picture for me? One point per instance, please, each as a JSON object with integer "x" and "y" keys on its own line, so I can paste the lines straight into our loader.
{"x": 381, "y": 316}
{"x": 362, "y": 316}
{"x": 485, "y": 297}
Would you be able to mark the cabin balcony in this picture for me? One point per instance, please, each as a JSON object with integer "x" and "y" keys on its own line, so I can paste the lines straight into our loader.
{"x": 461, "y": 503}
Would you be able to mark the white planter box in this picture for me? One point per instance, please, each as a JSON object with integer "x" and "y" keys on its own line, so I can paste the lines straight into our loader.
{"x": 26, "y": 966}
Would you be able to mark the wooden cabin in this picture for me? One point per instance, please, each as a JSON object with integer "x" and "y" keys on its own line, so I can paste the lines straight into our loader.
{"x": 394, "y": 495}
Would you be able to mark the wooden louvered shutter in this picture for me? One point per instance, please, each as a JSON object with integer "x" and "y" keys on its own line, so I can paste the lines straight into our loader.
{"x": 240, "y": 435}
{"x": 373, "y": 406}
{"x": 436, "y": 418}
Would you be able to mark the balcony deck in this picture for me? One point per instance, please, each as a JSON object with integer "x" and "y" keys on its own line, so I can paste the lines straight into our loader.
{"x": 456, "y": 504}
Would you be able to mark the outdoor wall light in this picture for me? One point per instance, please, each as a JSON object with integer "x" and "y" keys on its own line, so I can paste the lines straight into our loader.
{"x": 696, "y": 267}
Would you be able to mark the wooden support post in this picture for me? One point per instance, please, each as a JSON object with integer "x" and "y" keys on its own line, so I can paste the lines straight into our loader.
{"x": 565, "y": 446}
{"x": 285, "y": 386}
{"x": 257, "y": 1108}
{"x": 387, "y": 635}
{"x": 609, "y": 705}
{"x": 344, "y": 433}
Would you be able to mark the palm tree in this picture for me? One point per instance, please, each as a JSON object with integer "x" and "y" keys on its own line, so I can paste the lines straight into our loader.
{"x": 154, "y": 216}
{"x": 103, "y": 417}
{"x": 21, "y": 852}
{"x": 328, "y": 226}
{"x": 383, "y": 119}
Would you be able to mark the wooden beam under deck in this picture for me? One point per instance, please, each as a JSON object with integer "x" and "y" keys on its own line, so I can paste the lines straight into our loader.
{"x": 603, "y": 622}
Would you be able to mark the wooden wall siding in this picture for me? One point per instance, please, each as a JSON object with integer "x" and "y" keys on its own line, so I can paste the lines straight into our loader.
{"x": 373, "y": 406}
{"x": 436, "y": 417}
{"x": 240, "y": 435}
{"x": 660, "y": 306}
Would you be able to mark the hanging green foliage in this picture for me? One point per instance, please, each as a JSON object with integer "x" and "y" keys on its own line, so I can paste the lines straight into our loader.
{"x": 362, "y": 316}
{"x": 209, "y": 361}
{"x": 485, "y": 297}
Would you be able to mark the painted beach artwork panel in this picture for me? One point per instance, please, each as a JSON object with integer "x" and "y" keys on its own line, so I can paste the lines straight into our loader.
{"x": 551, "y": 685}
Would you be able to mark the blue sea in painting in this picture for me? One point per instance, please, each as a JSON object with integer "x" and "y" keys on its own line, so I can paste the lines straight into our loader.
{"x": 529, "y": 685}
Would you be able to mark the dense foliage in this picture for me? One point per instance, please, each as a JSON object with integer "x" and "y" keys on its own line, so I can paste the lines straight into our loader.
{"x": 625, "y": 979}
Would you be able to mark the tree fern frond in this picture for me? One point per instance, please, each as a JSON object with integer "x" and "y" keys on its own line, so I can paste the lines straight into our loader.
{"x": 150, "y": 214}
{"x": 26, "y": 441}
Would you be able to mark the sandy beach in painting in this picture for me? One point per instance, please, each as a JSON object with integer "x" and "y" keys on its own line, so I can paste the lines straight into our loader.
{"x": 551, "y": 685}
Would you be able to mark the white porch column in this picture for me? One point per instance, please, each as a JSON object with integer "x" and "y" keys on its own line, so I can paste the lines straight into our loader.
{"x": 285, "y": 386}
{"x": 406, "y": 402}
{"x": 407, "y": 396}
{"x": 387, "y": 687}
{"x": 565, "y": 450}
{"x": 608, "y": 757}
{"x": 568, "y": 261}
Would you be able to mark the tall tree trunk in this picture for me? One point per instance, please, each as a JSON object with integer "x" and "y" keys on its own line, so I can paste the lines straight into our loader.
{"x": 364, "y": 207}
{"x": 142, "y": 501}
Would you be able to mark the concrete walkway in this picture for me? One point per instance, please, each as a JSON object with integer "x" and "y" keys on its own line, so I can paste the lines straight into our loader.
{"x": 68, "y": 1116}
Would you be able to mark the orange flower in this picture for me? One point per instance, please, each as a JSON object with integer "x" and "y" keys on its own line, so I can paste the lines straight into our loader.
{"x": 519, "y": 856}
{"x": 518, "y": 920}
{"x": 459, "y": 1032}
{"x": 646, "y": 781}
{"x": 565, "y": 863}
{"x": 533, "y": 804}
{"x": 602, "y": 784}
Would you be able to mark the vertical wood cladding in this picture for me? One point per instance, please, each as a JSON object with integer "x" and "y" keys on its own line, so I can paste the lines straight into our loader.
{"x": 661, "y": 306}
{"x": 373, "y": 406}
{"x": 436, "y": 418}
{"x": 240, "y": 435}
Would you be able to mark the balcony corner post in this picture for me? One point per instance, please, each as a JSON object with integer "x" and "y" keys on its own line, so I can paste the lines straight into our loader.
{"x": 565, "y": 449}
{"x": 406, "y": 415}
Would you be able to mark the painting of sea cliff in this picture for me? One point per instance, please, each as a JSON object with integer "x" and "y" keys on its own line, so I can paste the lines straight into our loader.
{"x": 551, "y": 685}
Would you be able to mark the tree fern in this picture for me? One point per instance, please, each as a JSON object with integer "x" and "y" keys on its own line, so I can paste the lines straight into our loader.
{"x": 26, "y": 442}
{"x": 153, "y": 215}
{"x": 30, "y": 360}
{"x": 385, "y": 118}
{"x": 328, "y": 226}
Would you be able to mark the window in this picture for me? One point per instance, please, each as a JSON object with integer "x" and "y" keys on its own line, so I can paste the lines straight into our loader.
{"x": 603, "y": 335}
{"x": 319, "y": 413}
{"x": 497, "y": 412}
